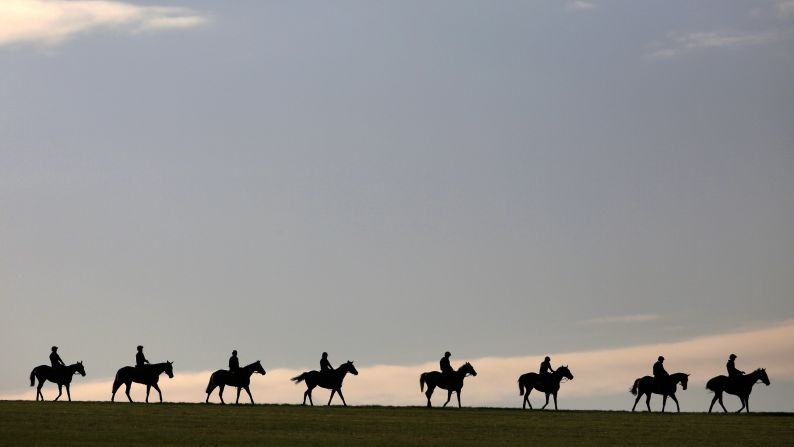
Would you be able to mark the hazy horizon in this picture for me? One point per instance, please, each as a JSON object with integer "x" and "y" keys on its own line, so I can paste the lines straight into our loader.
{"x": 386, "y": 181}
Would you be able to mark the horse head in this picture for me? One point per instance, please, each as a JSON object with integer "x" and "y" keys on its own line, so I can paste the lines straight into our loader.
{"x": 79, "y": 368}
{"x": 467, "y": 369}
{"x": 761, "y": 373}
{"x": 169, "y": 369}
{"x": 348, "y": 366}
{"x": 684, "y": 380}
{"x": 258, "y": 368}
{"x": 563, "y": 371}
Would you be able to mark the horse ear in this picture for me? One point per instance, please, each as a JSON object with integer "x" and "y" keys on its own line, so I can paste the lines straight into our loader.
{"x": 688, "y": 375}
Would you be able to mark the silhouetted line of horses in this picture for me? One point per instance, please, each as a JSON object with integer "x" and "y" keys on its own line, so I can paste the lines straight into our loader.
{"x": 149, "y": 375}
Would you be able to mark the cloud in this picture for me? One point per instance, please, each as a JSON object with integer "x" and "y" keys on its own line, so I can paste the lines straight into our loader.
{"x": 600, "y": 373}
{"x": 680, "y": 43}
{"x": 785, "y": 8}
{"x": 579, "y": 5}
{"x": 51, "y": 22}
{"x": 639, "y": 318}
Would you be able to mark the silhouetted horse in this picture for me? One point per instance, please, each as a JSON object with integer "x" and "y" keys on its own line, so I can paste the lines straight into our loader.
{"x": 240, "y": 379}
{"x": 647, "y": 386}
{"x": 148, "y": 375}
{"x": 61, "y": 376}
{"x": 453, "y": 382}
{"x": 739, "y": 386}
{"x": 551, "y": 385}
{"x": 331, "y": 380}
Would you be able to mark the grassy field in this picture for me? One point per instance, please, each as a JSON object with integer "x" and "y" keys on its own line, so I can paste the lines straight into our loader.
{"x": 100, "y": 423}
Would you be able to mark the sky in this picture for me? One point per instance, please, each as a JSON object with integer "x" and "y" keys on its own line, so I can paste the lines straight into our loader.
{"x": 603, "y": 182}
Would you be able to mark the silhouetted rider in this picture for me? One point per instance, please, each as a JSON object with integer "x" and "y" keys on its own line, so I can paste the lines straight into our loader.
{"x": 55, "y": 359}
{"x": 444, "y": 365}
{"x": 545, "y": 368}
{"x": 659, "y": 373}
{"x": 325, "y": 365}
{"x": 234, "y": 362}
{"x": 732, "y": 371}
{"x": 140, "y": 359}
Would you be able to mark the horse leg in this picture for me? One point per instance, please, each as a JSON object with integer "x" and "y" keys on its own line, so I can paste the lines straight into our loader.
{"x": 547, "y": 402}
{"x": 747, "y": 403}
{"x": 664, "y": 401}
{"x": 309, "y": 393}
{"x": 713, "y": 401}
{"x": 148, "y": 388}
{"x": 741, "y": 398}
{"x": 675, "y": 399}
{"x": 38, "y": 391}
{"x": 725, "y": 410}
{"x": 249, "y": 395}
{"x": 458, "y": 394}
{"x": 639, "y": 396}
{"x": 156, "y": 387}
{"x": 237, "y": 402}
{"x": 555, "y": 400}
{"x": 220, "y": 393}
{"x": 332, "y": 396}
{"x": 648, "y": 402}
{"x": 127, "y": 391}
{"x": 526, "y": 398}
{"x": 341, "y": 396}
{"x": 68, "y": 393}
{"x": 60, "y": 391}
{"x": 428, "y": 393}
{"x": 449, "y": 396}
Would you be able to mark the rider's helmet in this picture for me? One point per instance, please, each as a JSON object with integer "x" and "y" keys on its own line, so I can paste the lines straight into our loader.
{"x": 733, "y": 356}
{"x": 548, "y": 359}
{"x": 661, "y": 358}
{"x": 447, "y": 354}
{"x": 325, "y": 354}
{"x": 140, "y": 347}
{"x": 234, "y": 352}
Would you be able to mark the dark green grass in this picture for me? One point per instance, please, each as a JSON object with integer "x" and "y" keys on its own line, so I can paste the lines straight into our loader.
{"x": 101, "y": 423}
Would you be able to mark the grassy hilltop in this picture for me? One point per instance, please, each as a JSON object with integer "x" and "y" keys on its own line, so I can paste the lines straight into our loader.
{"x": 101, "y": 423}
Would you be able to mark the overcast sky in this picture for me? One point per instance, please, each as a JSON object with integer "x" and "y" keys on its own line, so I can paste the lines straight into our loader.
{"x": 387, "y": 180}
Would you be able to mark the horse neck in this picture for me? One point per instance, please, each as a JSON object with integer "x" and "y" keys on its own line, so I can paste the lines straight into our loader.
{"x": 755, "y": 376}
{"x": 461, "y": 371}
{"x": 677, "y": 377}
{"x": 342, "y": 370}
{"x": 558, "y": 374}
{"x": 249, "y": 369}
{"x": 72, "y": 368}
{"x": 159, "y": 367}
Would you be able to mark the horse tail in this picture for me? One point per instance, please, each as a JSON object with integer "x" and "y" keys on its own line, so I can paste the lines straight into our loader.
{"x": 520, "y": 387}
{"x": 299, "y": 379}
{"x": 209, "y": 385}
{"x": 711, "y": 385}
{"x": 636, "y": 385}
{"x": 422, "y": 382}
{"x": 33, "y": 376}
